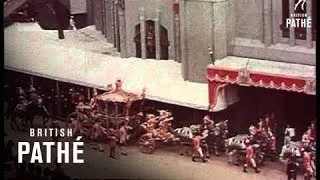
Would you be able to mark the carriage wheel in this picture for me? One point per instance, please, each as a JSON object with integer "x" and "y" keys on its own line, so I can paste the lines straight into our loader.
{"x": 148, "y": 147}
{"x": 143, "y": 139}
{"x": 260, "y": 158}
{"x": 151, "y": 147}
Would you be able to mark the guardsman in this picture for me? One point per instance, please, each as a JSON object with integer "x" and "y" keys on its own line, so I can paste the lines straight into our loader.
{"x": 123, "y": 133}
{"x": 112, "y": 140}
{"x": 306, "y": 139}
{"x": 260, "y": 125}
{"x": 292, "y": 168}
{"x": 21, "y": 92}
{"x": 253, "y": 132}
{"x": 207, "y": 122}
{"x": 98, "y": 133}
{"x": 118, "y": 85}
{"x": 33, "y": 94}
{"x": 76, "y": 127}
{"x": 308, "y": 171}
{"x": 93, "y": 100}
{"x": 250, "y": 158}
{"x": 204, "y": 144}
{"x": 197, "y": 150}
{"x": 313, "y": 130}
{"x": 287, "y": 136}
{"x": 273, "y": 147}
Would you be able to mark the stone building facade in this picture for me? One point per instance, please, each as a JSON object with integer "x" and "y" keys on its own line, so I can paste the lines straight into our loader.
{"x": 183, "y": 30}
{"x": 197, "y": 32}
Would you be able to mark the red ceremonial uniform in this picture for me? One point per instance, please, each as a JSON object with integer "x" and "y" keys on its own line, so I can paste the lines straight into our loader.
{"x": 307, "y": 163}
{"x": 313, "y": 133}
{"x": 249, "y": 155}
{"x": 196, "y": 143}
{"x": 112, "y": 141}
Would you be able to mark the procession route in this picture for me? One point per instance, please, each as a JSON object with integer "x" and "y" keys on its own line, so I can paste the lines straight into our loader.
{"x": 164, "y": 163}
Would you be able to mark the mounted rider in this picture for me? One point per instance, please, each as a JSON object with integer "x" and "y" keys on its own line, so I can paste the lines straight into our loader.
{"x": 306, "y": 139}
{"x": 33, "y": 96}
{"x": 253, "y": 132}
{"x": 207, "y": 122}
{"x": 21, "y": 92}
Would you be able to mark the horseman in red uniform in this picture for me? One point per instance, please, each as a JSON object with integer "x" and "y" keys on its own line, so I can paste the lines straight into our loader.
{"x": 306, "y": 139}
{"x": 207, "y": 122}
{"x": 250, "y": 157}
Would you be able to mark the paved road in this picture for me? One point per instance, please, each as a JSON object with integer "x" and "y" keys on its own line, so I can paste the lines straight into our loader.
{"x": 165, "y": 163}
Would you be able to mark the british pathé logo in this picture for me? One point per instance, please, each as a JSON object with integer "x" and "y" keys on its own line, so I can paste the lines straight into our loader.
{"x": 301, "y": 19}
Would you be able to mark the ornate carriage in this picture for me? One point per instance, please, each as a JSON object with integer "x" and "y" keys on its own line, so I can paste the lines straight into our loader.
{"x": 152, "y": 138}
{"x": 120, "y": 106}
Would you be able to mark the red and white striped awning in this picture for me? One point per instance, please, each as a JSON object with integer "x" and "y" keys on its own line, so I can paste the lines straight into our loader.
{"x": 260, "y": 73}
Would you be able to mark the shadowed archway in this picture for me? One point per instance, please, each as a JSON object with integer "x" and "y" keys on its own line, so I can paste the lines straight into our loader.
{"x": 151, "y": 41}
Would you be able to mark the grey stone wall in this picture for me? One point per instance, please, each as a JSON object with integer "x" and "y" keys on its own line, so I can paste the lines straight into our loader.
{"x": 199, "y": 31}
{"x": 108, "y": 14}
{"x": 249, "y": 19}
{"x": 90, "y": 11}
{"x": 97, "y": 5}
{"x": 246, "y": 28}
{"x": 259, "y": 21}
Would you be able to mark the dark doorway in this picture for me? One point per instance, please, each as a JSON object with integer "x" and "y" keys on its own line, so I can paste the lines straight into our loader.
{"x": 151, "y": 41}
{"x": 295, "y": 109}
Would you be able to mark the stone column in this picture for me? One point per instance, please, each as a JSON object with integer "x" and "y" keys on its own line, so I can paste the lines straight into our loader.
{"x": 98, "y": 15}
{"x": 177, "y": 38}
{"x": 143, "y": 34}
{"x": 89, "y": 12}
{"x": 103, "y": 30}
{"x": 157, "y": 34}
{"x": 106, "y": 19}
{"x": 309, "y": 30}
{"x": 113, "y": 24}
{"x": 219, "y": 32}
{"x": 123, "y": 39}
{"x": 292, "y": 34}
{"x": 116, "y": 25}
{"x": 184, "y": 41}
{"x": 267, "y": 22}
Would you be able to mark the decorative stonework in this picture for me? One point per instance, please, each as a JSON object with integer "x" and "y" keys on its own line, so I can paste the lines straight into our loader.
{"x": 121, "y": 4}
{"x": 243, "y": 76}
{"x": 311, "y": 86}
